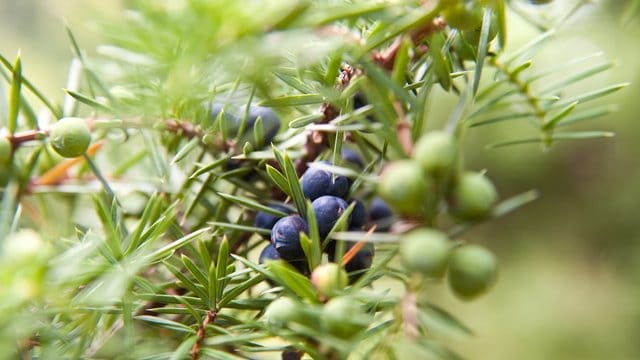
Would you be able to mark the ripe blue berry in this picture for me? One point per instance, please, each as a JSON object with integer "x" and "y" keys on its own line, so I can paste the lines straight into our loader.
{"x": 361, "y": 261}
{"x": 328, "y": 209}
{"x": 352, "y": 157}
{"x": 270, "y": 124}
{"x": 380, "y": 214}
{"x": 266, "y": 221}
{"x": 358, "y": 215}
{"x": 316, "y": 182}
{"x": 269, "y": 253}
{"x": 285, "y": 237}
{"x": 233, "y": 118}
{"x": 359, "y": 100}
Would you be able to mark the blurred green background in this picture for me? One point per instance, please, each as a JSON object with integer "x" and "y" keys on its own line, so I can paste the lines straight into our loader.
{"x": 569, "y": 262}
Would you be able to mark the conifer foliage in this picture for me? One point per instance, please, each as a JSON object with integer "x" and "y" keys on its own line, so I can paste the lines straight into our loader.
{"x": 247, "y": 179}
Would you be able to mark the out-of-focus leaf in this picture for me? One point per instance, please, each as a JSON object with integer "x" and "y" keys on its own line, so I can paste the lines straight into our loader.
{"x": 292, "y": 280}
{"x": 246, "y": 202}
{"x": 165, "y": 323}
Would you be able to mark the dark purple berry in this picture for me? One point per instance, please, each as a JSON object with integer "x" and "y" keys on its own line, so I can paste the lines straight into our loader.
{"x": 270, "y": 122}
{"x": 358, "y": 215}
{"x": 359, "y": 101}
{"x": 328, "y": 210}
{"x": 269, "y": 253}
{"x": 266, "y": 221}
{"x": 352, "y": 157}
{"x": 381, "y": 214}
{"x": 361, "y": 261}
{"x": 285, "y": 237}
{"x": 316, "y": 182}
{"x": 233, "y": 117}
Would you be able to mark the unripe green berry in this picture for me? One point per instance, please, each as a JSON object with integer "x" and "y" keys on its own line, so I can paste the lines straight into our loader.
{"x": 329, "y": 279}
{"x": 462, "y": 16}
{"x": 344, "y": 317}
{"x": 472, "y": 271}
{"x": 436, "y": 151}
{"x": 70, "y": 137}
{"x": 283, "y": 311}
{"x": 447, "y": 3}
{"x": 404, "y": 187}
{"x": 425, "y": 251}
{"x": 5, "y": 150}
{"x": 472, "y": 196}
{"x": 472, "y": 37}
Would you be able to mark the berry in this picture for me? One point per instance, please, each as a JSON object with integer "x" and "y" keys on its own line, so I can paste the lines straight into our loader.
{"x": 381, "y": 214}
{"x": 269, "y": 253}
{"x": 70, "y": 137}
{"x": 266, "y": 221}
{"x": 282, "y": 311}
{"x": 316, "y": 182}
{"x": 358, "y": 215}
{"x": 329, "y": 279}
{"x": 351, "y": 157}
{"x": 361, "y": 261}
{"x": 472, "y": 197}
{"x": 464, "y": 17}
{"x": 425, "y": 251}
{"x": 344, "y": 317}
{"x": 472, "y": 37}
{"x": 328, "y": 210}
{"x": 5, "y": 150}
{"x": 270, "y": 122}
{"x": 359, "y": 101}
{"x": 270, "y": 125}
{"x": 404, "y": 187}
{"x": 232, "y": 121}
{"x": 472, "y": 271}
{"x": 285, "y": 237}
{"x": 436, "y": 151}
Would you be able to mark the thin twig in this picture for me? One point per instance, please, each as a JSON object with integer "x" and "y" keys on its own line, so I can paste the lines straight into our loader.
{"x": 200, "y": 335}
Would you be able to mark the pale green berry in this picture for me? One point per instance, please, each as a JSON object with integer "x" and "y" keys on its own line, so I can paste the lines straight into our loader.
{"x": 404, "y": 187}
{"x": 425, "y": 251}
{"x": 5, "y": 150}
{"x": 329, "y": 279}
{"x": 436, "y": 151}
{"x": 472, "y": 196}
{"x": 344, "y": 317}
{"x": 472, "y": 271}
{"x": 282, "y": 311}
{"x": 70, "y": 137}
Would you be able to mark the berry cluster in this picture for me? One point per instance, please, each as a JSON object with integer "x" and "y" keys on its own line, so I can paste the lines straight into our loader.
{"x": 342, "y": 316}
{"x": 328, "y": 193}
{"x": 418, "y": 188}
{"x": 269, "y": 123}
